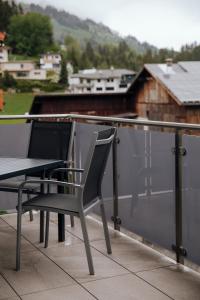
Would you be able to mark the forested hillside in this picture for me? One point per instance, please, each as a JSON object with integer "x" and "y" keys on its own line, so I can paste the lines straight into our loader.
{"x": 65, "y": 23}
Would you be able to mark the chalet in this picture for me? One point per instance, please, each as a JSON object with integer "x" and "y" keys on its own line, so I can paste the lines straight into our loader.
{"x": 168, "y": 92}
{"x": 101, "y": 81}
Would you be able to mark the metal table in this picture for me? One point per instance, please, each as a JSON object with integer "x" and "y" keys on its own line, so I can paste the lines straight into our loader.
{"x": 12, "y": 167}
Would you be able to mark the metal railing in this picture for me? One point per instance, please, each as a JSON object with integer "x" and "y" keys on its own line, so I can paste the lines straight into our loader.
{"x": 179, "y": 152}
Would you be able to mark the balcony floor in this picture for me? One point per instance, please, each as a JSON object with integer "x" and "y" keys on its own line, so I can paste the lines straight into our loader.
{"x": 60, "y": 272}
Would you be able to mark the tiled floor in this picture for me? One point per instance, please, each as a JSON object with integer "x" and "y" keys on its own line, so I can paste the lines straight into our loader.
{"x": 60, "y": 272}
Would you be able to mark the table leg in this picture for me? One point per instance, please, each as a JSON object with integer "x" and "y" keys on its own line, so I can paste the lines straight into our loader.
{"x": 61, "y": 227}
{"x": 42, "y": 212}
{"x": 41, "y": 226}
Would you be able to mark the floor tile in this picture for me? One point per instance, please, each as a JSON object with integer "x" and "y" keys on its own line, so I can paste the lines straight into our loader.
{"x": 65, "y": 293}
{"x": 31, "y": 232}
{"x": 73, "y": 260}
{"x": 178, "y": 282}
{"x": 2, "y": 223}
{"x": 95, "y": 229}
{"x": 8, "y": 242}
{"x": 133, "y": 255}
{"x": 12, "y": 298}
{"x": 127, "y": 287}
{"x": 37, "y": 273}
{"x": 5, "y": 290}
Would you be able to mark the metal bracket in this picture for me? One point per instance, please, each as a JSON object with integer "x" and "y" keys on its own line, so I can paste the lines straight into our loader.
{"x": 117, "y": 140}
{"x": 116, "y": 220}
{"x": 182, "y": 251}
{"x": 181, "y": 151}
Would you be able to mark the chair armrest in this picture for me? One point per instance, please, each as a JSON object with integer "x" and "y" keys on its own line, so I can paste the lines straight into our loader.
{"x": 54, "y": 182}
{"x": 62, "y": 170}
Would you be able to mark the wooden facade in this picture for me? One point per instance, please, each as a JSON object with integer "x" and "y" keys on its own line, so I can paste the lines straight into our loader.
{"x": 88, "y": 104}
{"x": 152, "y": 100}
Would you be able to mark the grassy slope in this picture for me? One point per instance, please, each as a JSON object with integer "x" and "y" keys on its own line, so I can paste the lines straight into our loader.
{"x": 16, "y": 104}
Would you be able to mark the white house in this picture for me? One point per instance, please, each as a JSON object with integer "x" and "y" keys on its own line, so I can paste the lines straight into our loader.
{"x": 50, "y": 61}
{"x": 101, "y": 81}
{"x": 23, "y": 70}
{"x": 3, "y": 54}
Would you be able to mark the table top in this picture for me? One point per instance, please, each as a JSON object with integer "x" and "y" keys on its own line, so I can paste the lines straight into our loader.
{"x": 11, "y": 167}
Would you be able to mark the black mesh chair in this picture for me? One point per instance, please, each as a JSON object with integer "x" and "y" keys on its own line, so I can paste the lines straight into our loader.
{"x": 85, "y": 195}
{"x": 48, "y": 140}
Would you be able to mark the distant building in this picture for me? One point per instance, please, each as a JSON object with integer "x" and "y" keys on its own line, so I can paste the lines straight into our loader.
{"x": 101, "y": 81}
{"x": 50, "y": 61}
{"x": 18, "y": 69}
{"x": 168, "y": 92}
{"x": 3, "y": 48}
{"x": 23, "y": 70}
{"x": 2, "y": 38}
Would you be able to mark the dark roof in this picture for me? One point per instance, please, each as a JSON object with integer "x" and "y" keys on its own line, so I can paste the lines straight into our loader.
{"x": 103, "y": 74}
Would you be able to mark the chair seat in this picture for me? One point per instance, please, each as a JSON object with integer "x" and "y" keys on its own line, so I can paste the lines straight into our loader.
{"x": 14, "y": 184}
{"x": 65, "y": 202}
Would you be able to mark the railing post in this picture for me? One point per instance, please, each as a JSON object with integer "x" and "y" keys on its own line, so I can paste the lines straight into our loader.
{"x": 179, "y": 152}
{"x": 115, "y": 218}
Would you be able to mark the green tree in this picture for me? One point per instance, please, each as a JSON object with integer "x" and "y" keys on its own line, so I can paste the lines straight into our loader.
{"x": 30, "y": 34}
{"x": 63, "y": 73}
{"x": 7, "y": 81}
{"x": 7, "y": 10}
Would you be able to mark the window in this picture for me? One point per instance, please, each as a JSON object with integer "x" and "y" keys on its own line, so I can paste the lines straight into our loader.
{"x": 22, "y": 74}
{"x": 110, "y": 88}
{"x": 123, "y": 85}
{"x": 21, "y": 66}
{"x": 99, "y": 80}
{"x": 99, "y": 89}
{"x": 36, "y": 73}
{"x": 88, "y": 80}
{"x": 88, "y": 89}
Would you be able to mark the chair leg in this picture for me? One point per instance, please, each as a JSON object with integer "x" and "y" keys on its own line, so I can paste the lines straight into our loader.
{"x": 18, "y": 248}
{"x": 87, "y": 244}
{"x": 105, "y": 228}
{"x": 31, "y": 215}
{"x": 72, "y": 221}
{"x": 47, "y": 230}
{"x": 30, "y": 212}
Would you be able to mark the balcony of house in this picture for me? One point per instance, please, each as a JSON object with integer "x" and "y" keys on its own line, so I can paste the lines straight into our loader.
{"x": 151, "y": 193}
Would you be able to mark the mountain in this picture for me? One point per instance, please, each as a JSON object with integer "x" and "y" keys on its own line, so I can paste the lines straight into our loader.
{"x": 65, "y": 24}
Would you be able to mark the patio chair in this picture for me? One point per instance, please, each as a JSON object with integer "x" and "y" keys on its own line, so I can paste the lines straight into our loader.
{"x": 48, "y": 140}
{"x": 87, "y": 194}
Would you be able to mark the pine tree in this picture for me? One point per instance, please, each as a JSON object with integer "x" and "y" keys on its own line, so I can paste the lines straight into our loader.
{"x": 63, "y": 73}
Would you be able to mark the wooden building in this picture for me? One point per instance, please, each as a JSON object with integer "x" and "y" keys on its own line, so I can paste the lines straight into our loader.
{"x": 112, "y": 104}
{"x": 167, "y": 92}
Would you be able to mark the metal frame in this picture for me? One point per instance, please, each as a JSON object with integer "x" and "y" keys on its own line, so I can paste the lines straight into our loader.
{"x": 178, "y": 151}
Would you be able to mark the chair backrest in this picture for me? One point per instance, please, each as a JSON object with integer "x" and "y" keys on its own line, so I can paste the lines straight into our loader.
{"x": 95, "y": 165}
{"x": 51, "y": 140}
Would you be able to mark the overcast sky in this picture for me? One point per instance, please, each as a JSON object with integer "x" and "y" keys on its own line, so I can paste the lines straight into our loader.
{"x": 163, "y": 23}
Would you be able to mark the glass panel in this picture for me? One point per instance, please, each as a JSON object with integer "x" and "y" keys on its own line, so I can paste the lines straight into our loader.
{"x": 191, "y": 198}
{"x": 146, "y": 184}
